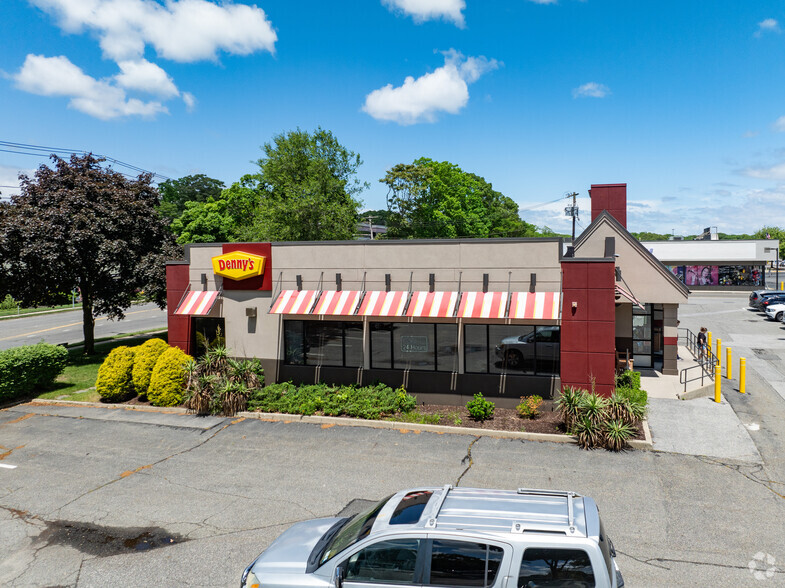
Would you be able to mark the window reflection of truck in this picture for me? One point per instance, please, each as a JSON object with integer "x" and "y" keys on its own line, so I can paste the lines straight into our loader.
{"x": 517, "y": 349}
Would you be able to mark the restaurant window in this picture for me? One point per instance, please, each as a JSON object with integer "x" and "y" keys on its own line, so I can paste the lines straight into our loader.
{"x": 323, "y": 343}
{"x": 414, "y": 346}
{"x": 511, "y": 349}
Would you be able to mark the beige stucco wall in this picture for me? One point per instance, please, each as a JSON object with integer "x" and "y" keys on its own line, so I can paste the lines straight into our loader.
{"x": 515, "y": 260}
{"x": 641, "y": 274}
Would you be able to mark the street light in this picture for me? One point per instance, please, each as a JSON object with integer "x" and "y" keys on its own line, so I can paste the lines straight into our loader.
{"x": 776, "y": 265}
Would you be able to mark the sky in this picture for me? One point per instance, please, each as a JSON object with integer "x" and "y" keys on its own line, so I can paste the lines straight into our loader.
{"x": 682, "y": 100}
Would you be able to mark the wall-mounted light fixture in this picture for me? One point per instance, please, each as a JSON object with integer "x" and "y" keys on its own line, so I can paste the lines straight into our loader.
{"x": 574, "y": 304}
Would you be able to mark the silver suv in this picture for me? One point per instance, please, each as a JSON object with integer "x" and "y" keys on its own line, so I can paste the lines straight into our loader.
{"x": 447, "y": 537}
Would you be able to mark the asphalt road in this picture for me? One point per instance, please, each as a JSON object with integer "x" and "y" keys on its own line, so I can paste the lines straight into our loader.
{"x": 66, "y": 327}
{"x": 116, "y": 497}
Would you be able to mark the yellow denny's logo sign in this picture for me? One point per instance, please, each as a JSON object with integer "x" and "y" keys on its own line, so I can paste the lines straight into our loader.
{"x": 238, "y": 265}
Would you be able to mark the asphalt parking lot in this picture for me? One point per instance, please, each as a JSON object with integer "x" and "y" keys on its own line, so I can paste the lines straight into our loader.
{"x": 114, "y": 497}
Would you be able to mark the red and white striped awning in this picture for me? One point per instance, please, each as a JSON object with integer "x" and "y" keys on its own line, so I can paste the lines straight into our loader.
{"x": 432, "y": 304}
{"x": 294, "y": 302}
{"x": 336, "y": 303}
{"x": 535, "y": 305}
{"x": 378, "y": 303}
{"x": 197, "y": 303}
{"x": 483, "y": 305}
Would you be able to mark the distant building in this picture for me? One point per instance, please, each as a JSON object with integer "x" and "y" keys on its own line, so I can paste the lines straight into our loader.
{"x": 367, "y": 231}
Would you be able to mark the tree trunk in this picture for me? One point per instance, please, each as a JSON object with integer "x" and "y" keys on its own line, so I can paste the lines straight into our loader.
{"x": 88, "y": 322}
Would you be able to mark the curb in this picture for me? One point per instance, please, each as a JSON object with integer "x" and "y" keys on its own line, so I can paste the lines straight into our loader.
{"x": 704, "y": 392}
{"x": 275, "y": 417}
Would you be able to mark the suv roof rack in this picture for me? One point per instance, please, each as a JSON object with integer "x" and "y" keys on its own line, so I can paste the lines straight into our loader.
{"x": 431, "y": 522}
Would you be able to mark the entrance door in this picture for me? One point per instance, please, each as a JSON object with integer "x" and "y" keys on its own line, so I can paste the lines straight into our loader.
{"x": 642, "y": 323}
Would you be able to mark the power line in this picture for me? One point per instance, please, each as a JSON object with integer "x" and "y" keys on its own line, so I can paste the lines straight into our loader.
{"x": 43, "y": 151}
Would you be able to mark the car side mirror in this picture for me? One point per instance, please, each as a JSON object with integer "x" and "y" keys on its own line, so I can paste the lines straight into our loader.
{"x": 338, "y": 577}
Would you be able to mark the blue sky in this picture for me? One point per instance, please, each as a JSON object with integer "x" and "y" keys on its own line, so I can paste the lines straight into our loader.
{"x": 684, "y": 101}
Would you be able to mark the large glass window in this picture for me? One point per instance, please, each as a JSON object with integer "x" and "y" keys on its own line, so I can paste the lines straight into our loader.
{"x": 642, "y": 335}
{"x": 462, "y": 563}
{"x": 722, "y": 275}
{"x": 386, "y": 562}
{"x": 555, "y": 567}
{"x": 414, "y": 346}
{"x": 511, "y": 349}
{"x": 324, "y": 343}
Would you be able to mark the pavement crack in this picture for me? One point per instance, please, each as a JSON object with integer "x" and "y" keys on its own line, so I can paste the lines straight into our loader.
{"x": 664, "y": 560}
{"x": 752, "y": 476}
{"x": 467, "y": 458}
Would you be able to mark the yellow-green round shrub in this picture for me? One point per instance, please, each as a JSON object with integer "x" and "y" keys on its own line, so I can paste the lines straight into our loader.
{"x": 144, "y": 361}
{"x": 167, "y": 383}
{"x": 115, "y": 381}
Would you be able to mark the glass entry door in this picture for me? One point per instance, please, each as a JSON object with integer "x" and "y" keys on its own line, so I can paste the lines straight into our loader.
{"x": 642, "y": 322}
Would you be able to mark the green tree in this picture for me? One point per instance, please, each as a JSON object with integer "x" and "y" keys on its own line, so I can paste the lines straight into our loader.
{"x": 429, "y": 199}
{"x": 307, "y": 186}
{"x": 647, "y": 236}
{"x": 773, "y": 233}
{"x": 176, "y": 193}
{"x": 78, "y": 225}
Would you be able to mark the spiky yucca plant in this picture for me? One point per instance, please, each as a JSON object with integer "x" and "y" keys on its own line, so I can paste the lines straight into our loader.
{"x": 589, "y": 432}
{"x": 594, "y": 407}
{"x": 617, "y": 433}
{"x": 569, "y": 405}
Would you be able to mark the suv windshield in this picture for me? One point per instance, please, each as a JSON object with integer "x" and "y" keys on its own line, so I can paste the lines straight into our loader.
{"x": 352, "y": 532}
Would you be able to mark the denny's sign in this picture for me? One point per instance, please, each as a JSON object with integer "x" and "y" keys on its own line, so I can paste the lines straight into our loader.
{"x": 238, "y": 265}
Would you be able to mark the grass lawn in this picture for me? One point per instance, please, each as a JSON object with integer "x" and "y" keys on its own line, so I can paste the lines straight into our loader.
{"x": 12, "y": 312}
{"x": 77, "y": 382}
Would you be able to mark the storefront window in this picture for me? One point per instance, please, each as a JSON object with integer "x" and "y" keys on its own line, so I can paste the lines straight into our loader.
{"x": 323, "y": 343}
{"x": 414, "y": 346}
{"x": 511, "y": 349}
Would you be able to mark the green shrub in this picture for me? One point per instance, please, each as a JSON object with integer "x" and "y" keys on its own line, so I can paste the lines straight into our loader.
{"x": 8, "y": 303}
{"x": 145, "y": 357}
{"x": 167, "y": 384}
{"x": 479, "y": 408}
{"x": 629, "y": 379}
{"x": 634, "y": 396}
{"x": 115, "y": 376}
{"x": 27, "y": 368}
{"x": 528, "y": 408}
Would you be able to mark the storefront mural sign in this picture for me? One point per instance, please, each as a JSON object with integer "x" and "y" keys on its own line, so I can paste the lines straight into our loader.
{"x": 238, "y": 265}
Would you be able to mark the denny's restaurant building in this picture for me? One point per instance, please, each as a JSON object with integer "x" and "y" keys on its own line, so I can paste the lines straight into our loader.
{"x": 444, "y": 319}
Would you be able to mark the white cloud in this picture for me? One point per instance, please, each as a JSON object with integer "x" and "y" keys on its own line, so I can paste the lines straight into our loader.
{"x": 774, "y": 172}
{"x": 768, "y": 25}
{"x": 446, "y": 89}
{"x": 180, "y": 30}
{"x": 57, "y": 76}
{"x": 779, "y": 125}
{"x": 423, "y": 10}
{"x": 190, "y": 101}
{"x": 544, "y": 1}
{"x": 591, "y": 90}
{"x": 143, "y": 76}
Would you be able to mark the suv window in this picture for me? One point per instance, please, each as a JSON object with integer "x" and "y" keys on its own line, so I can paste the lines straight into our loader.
{"x": 552, "y": 567}
{"x": 389, "y": 562}
{"x": 410, "y": 508}
{"x": 461, "y": 563}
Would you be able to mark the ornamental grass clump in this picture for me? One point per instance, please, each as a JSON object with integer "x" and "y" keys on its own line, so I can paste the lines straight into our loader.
{"x": 145, "y": 356}
{"x": 115, "y": 376}
{"x": 167, "y": 383}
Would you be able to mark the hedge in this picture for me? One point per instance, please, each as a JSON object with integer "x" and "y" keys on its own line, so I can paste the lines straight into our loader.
{"x": 168, "y": 380}
{"x": 145, "y": 357}
{"x": 24, "y": 369}
{"x": 115, "y": 380}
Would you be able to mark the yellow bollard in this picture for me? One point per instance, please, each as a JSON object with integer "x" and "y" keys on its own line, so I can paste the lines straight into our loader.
{"x": 728, "y": 364}
{"x": 742, "y": 375}
{"x": 717, "y": 384}
{"x": 708, "y": 340}
{"x": 782, "y": 285}
{"x": 718, "y": 352}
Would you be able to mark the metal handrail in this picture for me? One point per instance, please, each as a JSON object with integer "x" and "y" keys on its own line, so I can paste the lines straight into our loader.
{"x": 706, "y": 362}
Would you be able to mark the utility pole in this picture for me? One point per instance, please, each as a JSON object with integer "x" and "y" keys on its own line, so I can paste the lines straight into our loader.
{"x": 572, "y": 211}
{"x": 370, "y": 226}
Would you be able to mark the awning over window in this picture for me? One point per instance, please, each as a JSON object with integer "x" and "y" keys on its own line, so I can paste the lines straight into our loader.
{"x": 378, "y": 303}
{"x": 621, "y": 291}
{"x": 483, "y": 305}
{"x": 535, "y": 305}
{"x": 197, "y": 303}
{"x": 294, "y": 302}
{"x": 337, "y": 303}
{"x": 432, "y": 304}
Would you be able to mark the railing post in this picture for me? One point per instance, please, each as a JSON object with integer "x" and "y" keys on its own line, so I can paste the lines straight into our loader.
{"x": 717, "y": 384}
{"x": 742, "y": 375}
{"x": 728, "y": 364}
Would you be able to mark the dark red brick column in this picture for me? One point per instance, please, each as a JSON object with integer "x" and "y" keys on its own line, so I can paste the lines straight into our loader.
{"x": 179, "y": 325}
{"x": 588, "y": 329}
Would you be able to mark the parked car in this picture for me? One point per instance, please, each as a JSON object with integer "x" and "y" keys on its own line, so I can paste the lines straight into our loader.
{"x": 447, "y": 537}
{"x": 775, "y": 311}
{"x": 757, "y": 295}
{"x": 518, "y": 352}
{"x": 771, "y": 300}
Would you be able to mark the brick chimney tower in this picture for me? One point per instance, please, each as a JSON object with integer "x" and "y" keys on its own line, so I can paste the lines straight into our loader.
{"x": 610, "y": 197}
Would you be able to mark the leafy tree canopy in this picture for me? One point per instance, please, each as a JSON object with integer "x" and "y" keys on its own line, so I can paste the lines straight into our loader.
{"x": 307, "y": 186}
{"x": 429, "y": 199}
{"x": 78, "y": 225}
{"x": 773, "y": 233}
{"x": 176, "y": 193}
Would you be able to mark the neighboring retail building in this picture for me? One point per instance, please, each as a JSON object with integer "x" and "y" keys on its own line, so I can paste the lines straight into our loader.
{"x": 717, "y": 264}
{"x": 443, "y": 318}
